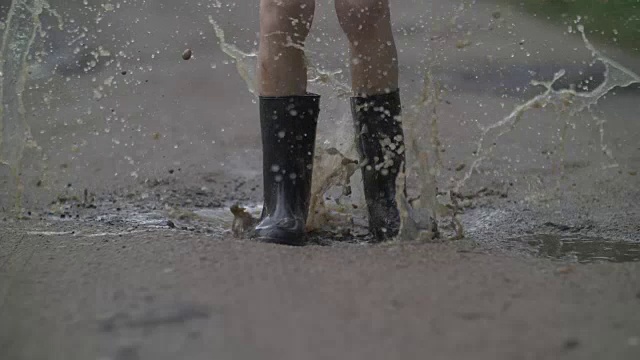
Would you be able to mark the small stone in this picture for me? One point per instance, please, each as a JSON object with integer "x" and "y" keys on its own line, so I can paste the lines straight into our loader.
{"x": 186, "y": 55}
{"x": 461, "y": 167}
{"x": 463, "y": 43}
{"x": 170, "y": 224}
{"x": 565, "y": 269}
{"x": 396, "y": 304}
{"x": 124, "y": 72}
{"x": 571, "y": 344}
{"x": 127, "y": 353}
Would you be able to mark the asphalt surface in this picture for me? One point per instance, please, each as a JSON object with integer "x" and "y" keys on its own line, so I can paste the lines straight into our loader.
{"x": 121, "y": 248}
{"x": 168, "y": 295}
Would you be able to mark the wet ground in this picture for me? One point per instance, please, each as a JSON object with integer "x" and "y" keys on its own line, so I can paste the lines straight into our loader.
{"x": 123, "y": 249}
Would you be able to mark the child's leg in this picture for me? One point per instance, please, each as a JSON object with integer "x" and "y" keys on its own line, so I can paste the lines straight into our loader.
{"x": 288, "y": 120}
{"x": 376, "y": 109}
{"x": 374, "y": 63}
{"x": 284, "y": 26}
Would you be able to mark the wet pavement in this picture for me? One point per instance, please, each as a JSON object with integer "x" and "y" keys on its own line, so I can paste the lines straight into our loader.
{"x": 167, "y": 293}
{"x": 122, "y": 247}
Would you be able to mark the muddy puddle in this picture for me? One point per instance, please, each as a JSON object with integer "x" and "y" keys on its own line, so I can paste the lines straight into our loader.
{"x": 581, "y": 249}
{"x": 488, "y": 229}
{"x": 123, "y": 215}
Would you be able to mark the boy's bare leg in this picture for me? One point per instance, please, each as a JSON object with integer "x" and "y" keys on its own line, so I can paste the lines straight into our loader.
{"x": 376, "y": 109}
{"x": 284, "y": 26}
{"x": 374, "y": 59}
{"x": 288, "y": 121}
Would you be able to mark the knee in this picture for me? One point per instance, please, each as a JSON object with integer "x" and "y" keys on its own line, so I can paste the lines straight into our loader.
{"x": 361, "y": 16}
{"x": 290, "y": 16}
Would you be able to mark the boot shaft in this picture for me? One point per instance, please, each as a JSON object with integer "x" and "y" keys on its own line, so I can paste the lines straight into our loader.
{"x": 288, "y": 126}
{"x": 380, "y": 143}
{"x": 379, "y": 133}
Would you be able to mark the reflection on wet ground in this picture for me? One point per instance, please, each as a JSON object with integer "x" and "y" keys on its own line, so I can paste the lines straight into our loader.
{"x": 582, "y": 249}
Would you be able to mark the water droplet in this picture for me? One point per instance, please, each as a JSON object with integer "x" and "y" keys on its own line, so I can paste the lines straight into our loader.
{"x": 275, "y": 168}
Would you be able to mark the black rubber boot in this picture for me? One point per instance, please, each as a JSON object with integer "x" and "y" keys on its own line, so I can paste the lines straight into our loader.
{"x": 288, "y": 127}
{"x": 380, "y": 143}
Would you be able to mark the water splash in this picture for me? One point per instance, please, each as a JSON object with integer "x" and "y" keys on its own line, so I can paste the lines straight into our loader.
{"x": 333, "y": 170}
{"x": 334, "y": 166}
{"x": 568, "y": 101}
{"x": 419, "y": 217}
{"x": 246, "y": 64}
{"x": 21, "y": 28}
{"x": 241, "y": 58}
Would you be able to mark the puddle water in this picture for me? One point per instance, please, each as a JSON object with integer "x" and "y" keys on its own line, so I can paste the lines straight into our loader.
{"x": 582, "y": 249}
